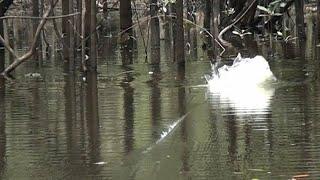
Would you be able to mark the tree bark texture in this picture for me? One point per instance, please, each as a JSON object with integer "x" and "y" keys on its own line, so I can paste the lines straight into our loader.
{"x": 299, "y": 6}
{"x": 155, "y": 33}
{"x": 179, "y": 44}
{"x": 126, "y": 37}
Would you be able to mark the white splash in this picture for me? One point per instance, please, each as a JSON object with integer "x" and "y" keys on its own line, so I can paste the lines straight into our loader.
{"x": 246, "y": 83}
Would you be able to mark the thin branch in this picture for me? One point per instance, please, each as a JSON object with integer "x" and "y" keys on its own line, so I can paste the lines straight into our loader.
{"x": 40, "y": 18}
{"x": 148, "y": 18}
{"x": 27, "y": 55}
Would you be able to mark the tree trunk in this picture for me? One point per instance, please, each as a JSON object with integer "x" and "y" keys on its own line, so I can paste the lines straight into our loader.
{"x": 2, "y": 58}
{"x": 155, "y": 33}
{"x": 78, "y": 24}
{"x": 192, "y": 31}
{"x": 67, "y": 33}
{"x": 179, "y": 43}
{"x": 318, "y": 19}
{"x": 125, "y": 26}
{"x": 215, "y": 25}
{"x": 93, "y": 40}
{"x": 36, "y": 13}
{"x": 87, "y": 25}
{"x": 299, "y": 6}
{"x": 206, "y": 25}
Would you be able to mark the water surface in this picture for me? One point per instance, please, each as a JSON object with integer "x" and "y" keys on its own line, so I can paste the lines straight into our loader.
{"x": 129, "y": 123}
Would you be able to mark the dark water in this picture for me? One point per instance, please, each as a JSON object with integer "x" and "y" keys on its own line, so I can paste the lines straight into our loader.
{"x": 129, "y": 123}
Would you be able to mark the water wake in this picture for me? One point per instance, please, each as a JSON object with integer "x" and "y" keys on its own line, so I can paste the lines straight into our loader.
{"x": 167, "y": 132}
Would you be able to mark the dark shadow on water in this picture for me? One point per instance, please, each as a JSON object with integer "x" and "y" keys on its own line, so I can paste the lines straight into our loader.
{"x": 2, "y": 128}
{"x": 2, "y": 60}
{"x": 92, "y": 121}
{"x": 128, "y": 108}
{"x": 155, "y": 101}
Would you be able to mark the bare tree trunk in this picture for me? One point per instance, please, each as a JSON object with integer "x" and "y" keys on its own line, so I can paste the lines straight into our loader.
{"x": 83, "y": 36}
{"x": 206, "y": 24}
{"x": 89, "y": 29}
{"x": 299, "y": 6}
{"x": 78, "y": 24}
{"x": 318, "y": 19}
{"x": 36, "y": 13}
{"x": 72, "y": 27}
{"x": 215, "y": 25}
{"x": 173, "y": 30}
{"x": 66, "y": 35}
{"x": 126, "y": 37}
{"x": 155, "y": 33}
{"x": 2, "y": 58}
{"x": 93, "y": 39}
{"x": 87, "y": 24}
{"x": 168, "y": 34}
{"x": 192, "y": 32}
{"x": 179, "y": 43}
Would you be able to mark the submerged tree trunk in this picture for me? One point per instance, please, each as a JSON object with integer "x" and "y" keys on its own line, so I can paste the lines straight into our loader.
{"x": 299, "y": 6}
{"x": 179, "y": 40}
{"x": 155, "y": 33}
{"x": 126, "y": 36}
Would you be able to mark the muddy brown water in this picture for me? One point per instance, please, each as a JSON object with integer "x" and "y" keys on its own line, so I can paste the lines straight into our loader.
{"x": 140, "y": 122}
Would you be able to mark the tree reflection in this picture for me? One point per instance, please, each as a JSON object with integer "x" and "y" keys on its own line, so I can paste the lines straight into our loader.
{"x": 155, "y": 100}
{"x": 128, "y": 107}
{"x": 2, "y": 127}
{"x": 92, "y": 117}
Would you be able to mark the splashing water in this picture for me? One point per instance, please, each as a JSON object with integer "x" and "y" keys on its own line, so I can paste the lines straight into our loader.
{"x": 243, "y": 72}
{"x": 247, "y": 83}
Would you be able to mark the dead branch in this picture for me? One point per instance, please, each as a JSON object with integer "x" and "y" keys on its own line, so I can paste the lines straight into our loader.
{"x": 23, "y": 58}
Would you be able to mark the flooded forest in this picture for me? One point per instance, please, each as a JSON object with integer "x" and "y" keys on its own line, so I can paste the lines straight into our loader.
{"x": 159, "y": 89}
